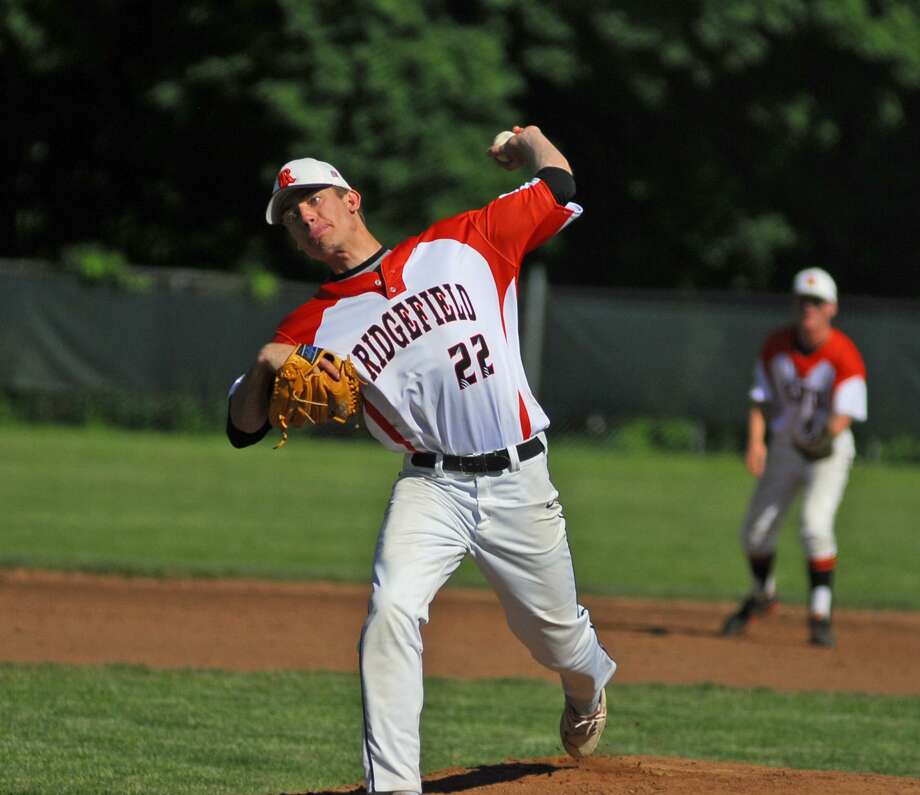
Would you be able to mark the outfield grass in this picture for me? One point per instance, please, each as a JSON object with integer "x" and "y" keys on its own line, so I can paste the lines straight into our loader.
{"x": 122, "y": 729}
{"x": 645, "y": 525}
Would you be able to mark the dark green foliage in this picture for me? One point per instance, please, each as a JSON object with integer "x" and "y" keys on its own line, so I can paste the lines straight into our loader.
{"x": 645, "y": 434}
{"x": 716, "y": 144}
{"x": 95, "y": 264}
{"x": 731, "y": 143}
{"x": 899, "y": 449}
{"x": 261, "y": 283}
{"x": 159, "y": 129}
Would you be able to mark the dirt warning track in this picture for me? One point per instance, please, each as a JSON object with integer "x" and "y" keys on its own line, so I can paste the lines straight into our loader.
{"x": 254, "y": 625}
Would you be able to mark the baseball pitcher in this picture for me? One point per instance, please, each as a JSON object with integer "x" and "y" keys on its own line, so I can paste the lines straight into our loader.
{"x": 424, "y": 336}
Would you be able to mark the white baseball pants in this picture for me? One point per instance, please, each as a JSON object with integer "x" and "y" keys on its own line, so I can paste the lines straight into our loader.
{"x": 512, "y": 525}
{"x": 822, "y": 482}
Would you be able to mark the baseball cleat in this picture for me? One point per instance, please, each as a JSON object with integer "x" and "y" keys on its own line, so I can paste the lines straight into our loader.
{"x": 820, "y": 632}
{"x": 581, "y": 733}
{"x": 751, "y": 608}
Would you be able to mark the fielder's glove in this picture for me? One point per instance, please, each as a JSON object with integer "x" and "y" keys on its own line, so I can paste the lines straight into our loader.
{"x": 305, "y": 394}
{"x": 814, "y": 446}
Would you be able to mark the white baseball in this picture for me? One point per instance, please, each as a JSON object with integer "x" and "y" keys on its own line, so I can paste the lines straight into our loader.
{"x": 500, "y": 140}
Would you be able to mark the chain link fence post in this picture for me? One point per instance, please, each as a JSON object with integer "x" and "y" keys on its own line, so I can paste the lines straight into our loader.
{"x": 534, "y": 326}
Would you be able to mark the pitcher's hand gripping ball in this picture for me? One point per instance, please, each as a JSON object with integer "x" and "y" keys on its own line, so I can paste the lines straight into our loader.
{"x": 498, "y": 143}
{"x": 305, "y": 394}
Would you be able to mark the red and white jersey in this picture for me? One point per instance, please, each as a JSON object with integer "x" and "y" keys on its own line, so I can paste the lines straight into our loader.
{"x": 803, "y": 390}
{"x": 434, "y": 331}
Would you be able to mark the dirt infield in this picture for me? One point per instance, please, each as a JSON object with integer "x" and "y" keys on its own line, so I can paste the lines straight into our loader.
{"x": 252, "y": 625}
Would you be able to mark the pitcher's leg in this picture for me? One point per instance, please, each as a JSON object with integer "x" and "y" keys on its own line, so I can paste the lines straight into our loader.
{"x": 522, "y": 549}
{"x": 546, "y": 617}
{"x": 418, "y": 549}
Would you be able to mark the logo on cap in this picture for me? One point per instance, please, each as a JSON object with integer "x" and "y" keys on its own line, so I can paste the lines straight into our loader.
{"x": 811, "y": 281}
{"x": 285, "y": 178}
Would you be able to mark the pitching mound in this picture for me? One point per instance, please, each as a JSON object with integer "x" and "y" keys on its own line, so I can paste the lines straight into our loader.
{"x": 641, "y": 775}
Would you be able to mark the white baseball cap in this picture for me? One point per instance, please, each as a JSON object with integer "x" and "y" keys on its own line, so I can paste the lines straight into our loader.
{"x": 817, "y": 283}
{"x": 303, "y": 173}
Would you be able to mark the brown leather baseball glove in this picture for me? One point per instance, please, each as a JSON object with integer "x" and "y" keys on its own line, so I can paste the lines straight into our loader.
{"x": 305, "y": 394}
{"x": 814, "y": 446}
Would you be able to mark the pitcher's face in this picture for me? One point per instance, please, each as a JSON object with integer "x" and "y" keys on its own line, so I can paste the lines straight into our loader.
{"x": 323, "y": 221}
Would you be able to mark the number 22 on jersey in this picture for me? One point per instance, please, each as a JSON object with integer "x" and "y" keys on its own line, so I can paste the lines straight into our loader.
{"x": 464, "y": 367}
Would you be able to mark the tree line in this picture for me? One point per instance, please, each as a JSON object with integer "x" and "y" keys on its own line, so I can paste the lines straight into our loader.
{"x": 716, "y": 143}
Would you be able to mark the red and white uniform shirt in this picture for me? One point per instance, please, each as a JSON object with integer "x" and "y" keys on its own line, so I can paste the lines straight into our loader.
{"x": 434, "y": 331}
{"x": 802, "y": 390}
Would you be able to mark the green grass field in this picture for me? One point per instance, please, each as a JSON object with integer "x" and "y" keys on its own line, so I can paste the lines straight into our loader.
{"x": 651, "y": 525}
{"x": 644, "y": 525}
{"x": 125, "y": 730}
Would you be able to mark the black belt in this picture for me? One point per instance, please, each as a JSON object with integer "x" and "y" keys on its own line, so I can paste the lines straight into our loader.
{"x": 487, "y": 462}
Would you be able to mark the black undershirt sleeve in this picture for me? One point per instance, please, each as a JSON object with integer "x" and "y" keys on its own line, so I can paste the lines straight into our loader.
{"x": 559, "y": 181}
{"x": 240, "y": 438}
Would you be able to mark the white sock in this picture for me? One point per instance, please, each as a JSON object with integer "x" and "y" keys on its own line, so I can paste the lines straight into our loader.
{"x": 583, "y": 708}
{"x": 821, "y": 601}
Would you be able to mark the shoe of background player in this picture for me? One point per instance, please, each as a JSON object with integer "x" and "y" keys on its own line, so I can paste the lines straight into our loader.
{"x": 751, "y": 608}
{"x": 820, "y": 632}
{"x": 581, "y": 733}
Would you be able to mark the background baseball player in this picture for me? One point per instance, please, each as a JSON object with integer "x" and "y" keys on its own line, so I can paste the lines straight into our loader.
{"x": 431, "y": 326}
{"x": 809, "y": 385}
